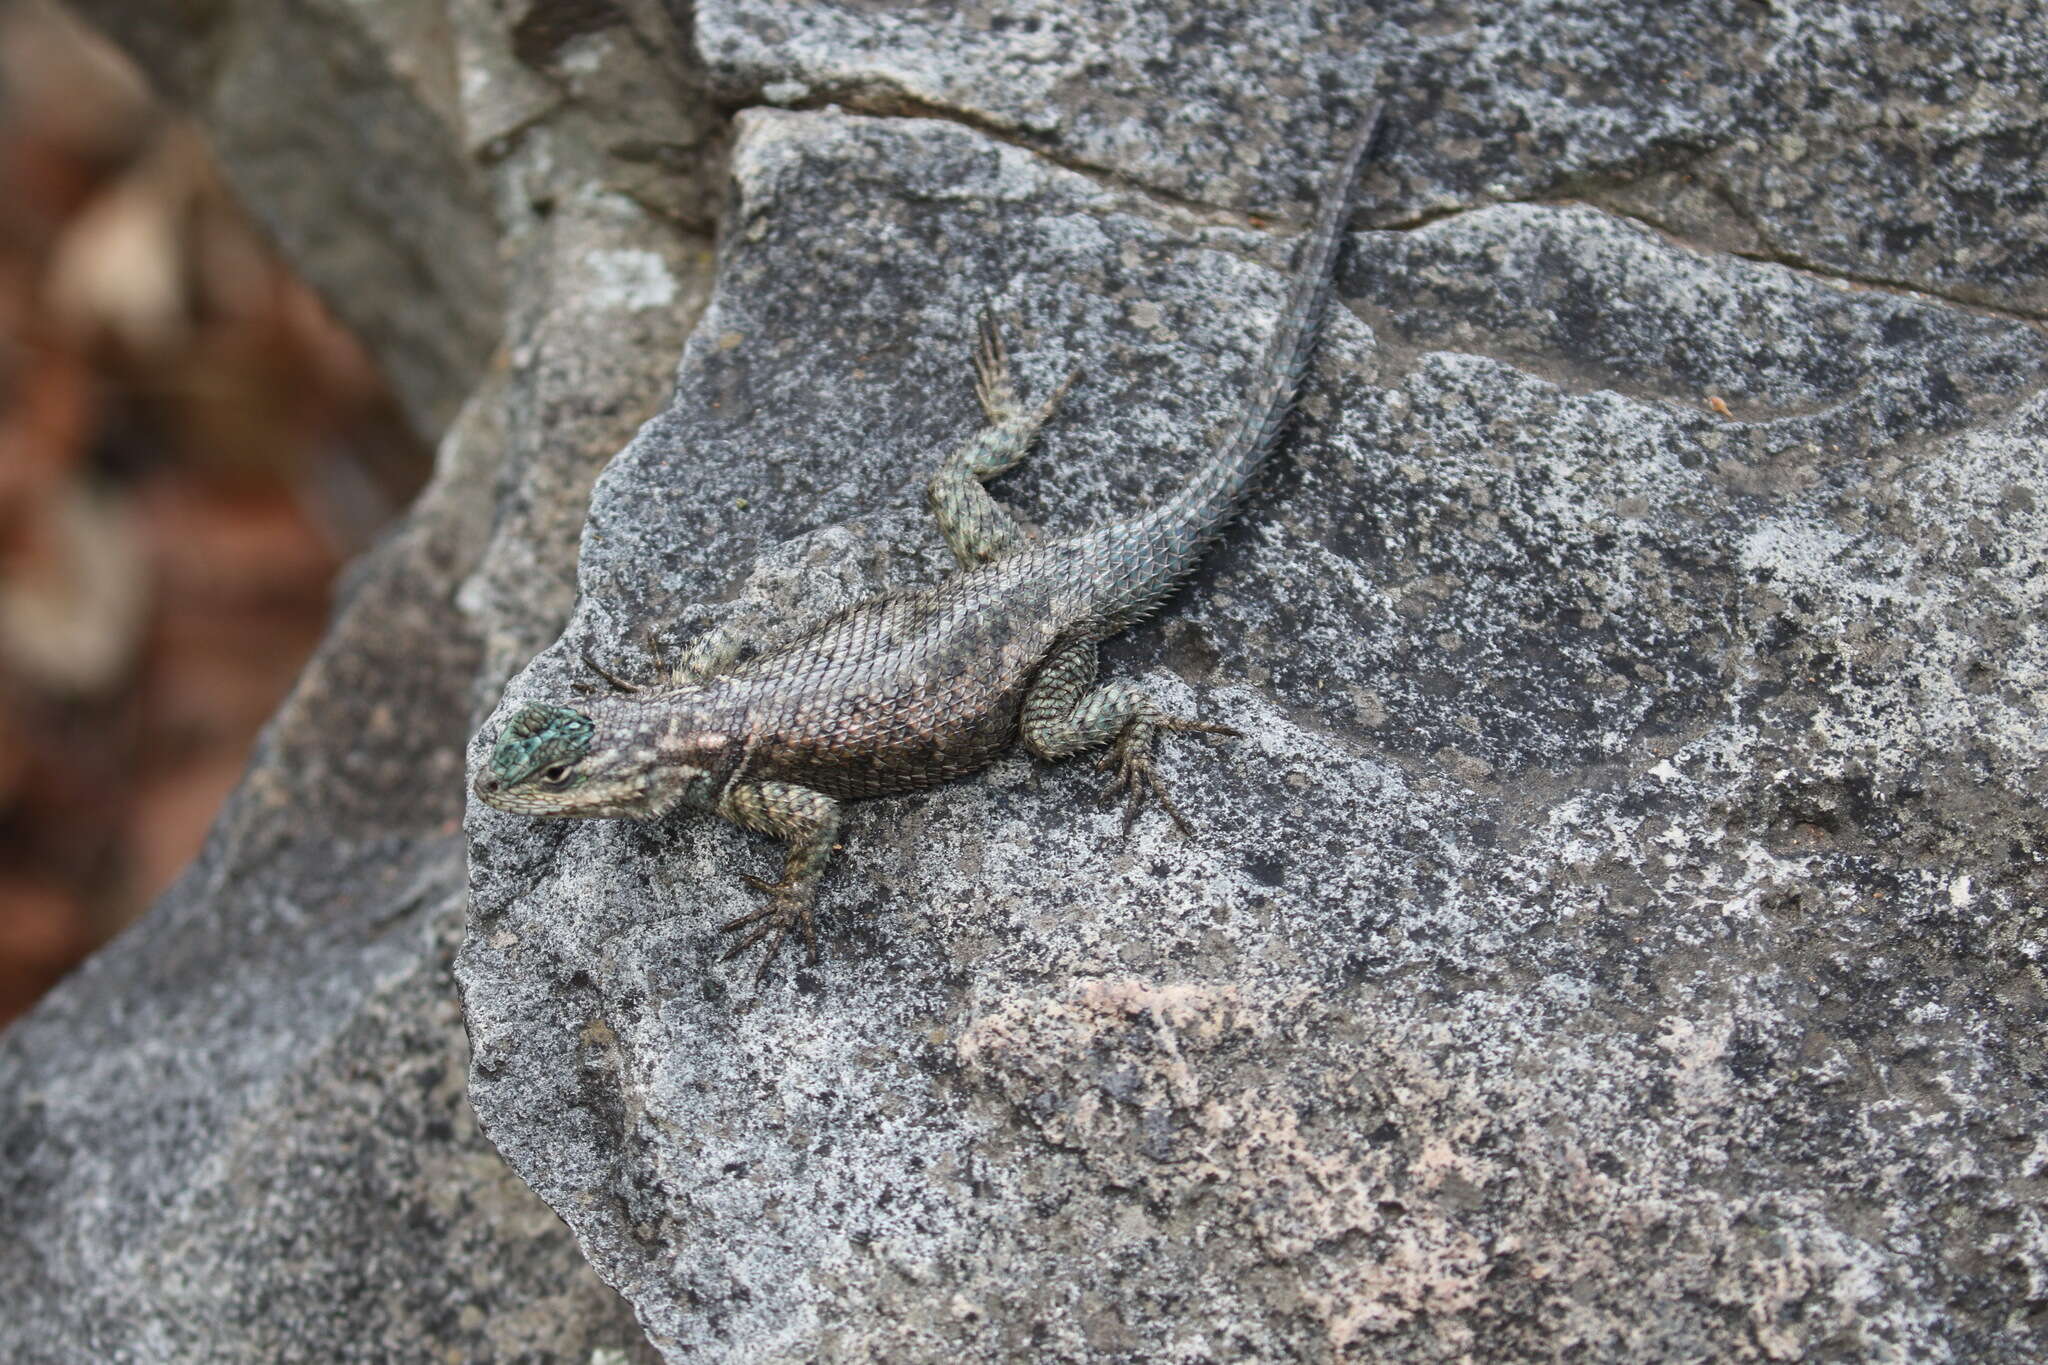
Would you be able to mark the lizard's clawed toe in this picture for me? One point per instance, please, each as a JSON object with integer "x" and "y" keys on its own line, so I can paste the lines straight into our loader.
{"x": 1135, "y": 777}
{"x": 1150, "y": 778}
{"x": 773, "y": 922}
{"x": 1129, "y": 759}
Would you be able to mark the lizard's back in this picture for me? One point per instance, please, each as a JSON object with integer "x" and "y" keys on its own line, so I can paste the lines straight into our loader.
{"x": 912, "y": 688}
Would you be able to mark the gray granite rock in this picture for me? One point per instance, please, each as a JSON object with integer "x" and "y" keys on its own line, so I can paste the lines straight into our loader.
{"x": 1903, "y": 143}
{"x": 1617, "y": 935}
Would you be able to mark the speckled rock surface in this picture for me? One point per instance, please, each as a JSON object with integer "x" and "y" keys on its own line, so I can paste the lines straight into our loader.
{"x": 1618, "y": 934}
{"x": 1898, "y": 142}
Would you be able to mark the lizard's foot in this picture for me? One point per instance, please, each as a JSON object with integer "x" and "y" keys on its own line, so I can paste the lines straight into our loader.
{"x": 1130, "y": 758}
{"x": 621, "y": 685}
{"x": 789, "y": 908}
{"x": 992, "y": 384}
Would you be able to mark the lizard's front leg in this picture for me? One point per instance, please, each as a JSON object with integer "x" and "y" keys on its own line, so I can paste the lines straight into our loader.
{"x": 710, "y": 654}
{"x": 808, "y": 821}
{"x": 1065, "y": 713}
{"x": 715, "y": 651}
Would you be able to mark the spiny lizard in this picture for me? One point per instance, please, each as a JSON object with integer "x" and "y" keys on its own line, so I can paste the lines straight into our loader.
{"x": 913, "y": 688}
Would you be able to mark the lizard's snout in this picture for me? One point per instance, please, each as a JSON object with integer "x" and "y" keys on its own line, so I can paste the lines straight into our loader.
{"x": 487, "y": 785}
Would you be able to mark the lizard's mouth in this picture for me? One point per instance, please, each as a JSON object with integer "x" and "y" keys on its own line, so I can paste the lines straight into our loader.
{"x": 496, "y": 792}
{"x": 626, "y": 800}
{"x": 493, "y": 792}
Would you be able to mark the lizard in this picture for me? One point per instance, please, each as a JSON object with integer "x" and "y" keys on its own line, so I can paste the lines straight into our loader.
{"x": 912, "y": 688}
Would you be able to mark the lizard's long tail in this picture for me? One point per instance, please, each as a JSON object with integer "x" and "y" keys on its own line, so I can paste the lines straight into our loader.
{"x": 1164, "y": 544}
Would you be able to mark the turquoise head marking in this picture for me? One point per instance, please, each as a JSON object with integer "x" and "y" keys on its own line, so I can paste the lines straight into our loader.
{"x": 539, "y": 739}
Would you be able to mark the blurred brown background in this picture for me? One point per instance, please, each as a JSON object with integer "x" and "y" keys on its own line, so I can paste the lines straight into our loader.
{"x": 189, "y": 449}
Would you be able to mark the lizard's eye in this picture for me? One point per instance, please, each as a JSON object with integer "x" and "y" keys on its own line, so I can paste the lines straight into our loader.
{"x": 556, "y": 775}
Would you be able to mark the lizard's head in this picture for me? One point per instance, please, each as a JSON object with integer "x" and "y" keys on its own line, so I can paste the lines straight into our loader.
{"x": 537, "y": 767}
{"x": 558, "y": 761}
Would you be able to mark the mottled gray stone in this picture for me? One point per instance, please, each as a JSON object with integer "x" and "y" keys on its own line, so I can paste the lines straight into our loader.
{"x": 1617, "y": 935}
{"x": 1903, "y": 142}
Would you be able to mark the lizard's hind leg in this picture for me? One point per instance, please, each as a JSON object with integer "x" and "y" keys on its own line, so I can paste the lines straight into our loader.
{"x": 1065, "y": 713}
{"x": 976, "y": 528}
